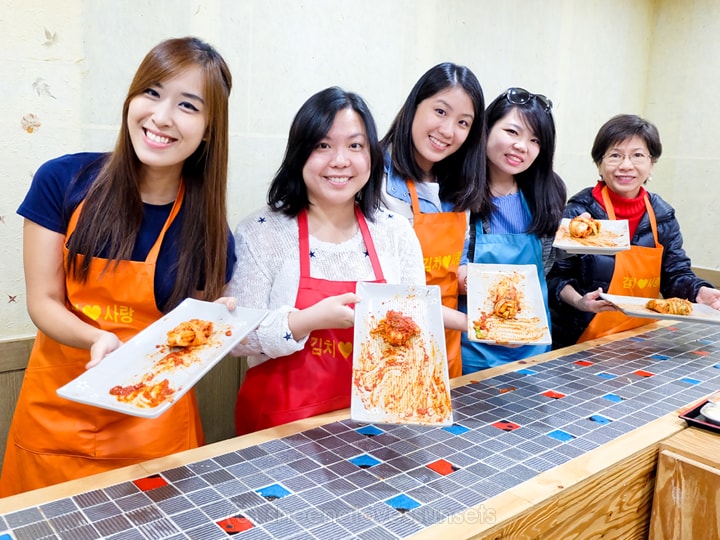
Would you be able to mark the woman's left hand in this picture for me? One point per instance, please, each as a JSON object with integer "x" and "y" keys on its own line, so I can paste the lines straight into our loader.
{"x": 106, "y": 343}
{"x": 709, "y": 297}
{"x": 229, "y": 302}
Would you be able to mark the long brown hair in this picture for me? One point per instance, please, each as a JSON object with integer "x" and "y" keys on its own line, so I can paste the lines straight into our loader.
{"x": 112, "y": 212}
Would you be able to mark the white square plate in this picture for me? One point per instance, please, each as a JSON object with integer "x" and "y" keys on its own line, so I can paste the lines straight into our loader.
{"x": 634, "y": 306}
{"x": 529, "y": 327}
{"x": 141, "y": 356}
{"x": 613, "y": 237}
{"x": 406, "y": 384}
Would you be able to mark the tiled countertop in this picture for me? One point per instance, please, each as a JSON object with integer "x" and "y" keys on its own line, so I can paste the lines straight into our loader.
{"x": 377, "y": 482}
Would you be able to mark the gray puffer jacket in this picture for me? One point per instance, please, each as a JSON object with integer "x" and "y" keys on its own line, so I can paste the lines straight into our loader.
{"x": 588, "y": 272}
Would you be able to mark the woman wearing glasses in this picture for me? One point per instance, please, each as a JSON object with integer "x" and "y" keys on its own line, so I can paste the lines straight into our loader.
{"x": 625, "y": 151}
{"x": 521, "y": 205}
{"x": 434, "y": 170}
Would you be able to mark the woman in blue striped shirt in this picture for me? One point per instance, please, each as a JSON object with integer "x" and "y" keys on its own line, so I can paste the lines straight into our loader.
{"x": 522, "y": 205}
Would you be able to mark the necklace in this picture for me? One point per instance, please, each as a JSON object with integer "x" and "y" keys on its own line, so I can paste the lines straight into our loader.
{"x": 496, "y": 193}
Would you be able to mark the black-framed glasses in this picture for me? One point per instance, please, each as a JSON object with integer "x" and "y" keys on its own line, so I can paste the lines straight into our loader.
{"x": 520, "y": 96}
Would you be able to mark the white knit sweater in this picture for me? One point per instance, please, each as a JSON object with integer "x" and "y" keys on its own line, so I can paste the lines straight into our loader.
{"x": 267, "y": 272}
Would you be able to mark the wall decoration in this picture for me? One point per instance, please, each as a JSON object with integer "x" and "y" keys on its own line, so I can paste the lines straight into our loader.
{"x": 42, "y": 88}
{"x": 50, "y": 38}
{"x": 30, "y": 122}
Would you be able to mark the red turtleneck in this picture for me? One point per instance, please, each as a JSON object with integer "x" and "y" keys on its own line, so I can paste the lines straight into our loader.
{"x": 631, "y": 209}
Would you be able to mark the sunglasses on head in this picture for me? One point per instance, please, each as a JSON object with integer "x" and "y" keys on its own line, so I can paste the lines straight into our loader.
{"x": 520, "y": 96}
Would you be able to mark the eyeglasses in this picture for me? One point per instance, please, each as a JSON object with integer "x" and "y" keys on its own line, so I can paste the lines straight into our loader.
{"x": 520, "y": 96}
{"x": 616, "y": 158}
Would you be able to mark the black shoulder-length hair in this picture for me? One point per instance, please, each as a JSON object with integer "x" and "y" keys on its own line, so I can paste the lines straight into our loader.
{"x": 461, "y": 174}
{"x": 544, "y": 190}
{"x": 288, "y": 193}
{"x": 621, "y": 128}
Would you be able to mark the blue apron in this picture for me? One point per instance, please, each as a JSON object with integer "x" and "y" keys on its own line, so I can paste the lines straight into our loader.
{"x": 503, "y": 249}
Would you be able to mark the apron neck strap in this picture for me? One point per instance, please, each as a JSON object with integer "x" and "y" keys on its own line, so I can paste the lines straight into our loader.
{"x": 648, "y": 207}
{"x": 414, "y": 201}
{"x": 304, "y": 240}
{"x": 155, "y": 250}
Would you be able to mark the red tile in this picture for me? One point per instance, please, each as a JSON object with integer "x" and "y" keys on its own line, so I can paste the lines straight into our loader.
{"x": 235, "y": 524}
{"x": 151, "y": 482}
{"x": 583, "y": 363}
{"x": 442, "y": 466}
{"x": 642, "y": 373}
{"x": 552, "y": 394}
{"x": 505, "y": 425}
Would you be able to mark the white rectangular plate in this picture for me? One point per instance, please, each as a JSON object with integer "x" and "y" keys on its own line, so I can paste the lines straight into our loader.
{"x": 405, "y": 384}
{"x": 529, "y": 327}
{"x": 139, "y": 357}
{"x": 634, "y": 306}
{"x": 613, "y": 237}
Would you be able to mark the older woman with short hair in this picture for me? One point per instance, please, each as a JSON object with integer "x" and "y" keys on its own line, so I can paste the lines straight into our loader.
{"x": 625, "y": 150}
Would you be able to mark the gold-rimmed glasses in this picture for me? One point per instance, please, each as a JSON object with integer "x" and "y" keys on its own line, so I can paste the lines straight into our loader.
{"x": 636, "y": 158}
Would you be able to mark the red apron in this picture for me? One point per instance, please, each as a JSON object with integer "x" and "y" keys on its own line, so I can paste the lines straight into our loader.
{"x": 53, "y": 439}
{"x": 442, "y": 237}
{"x": 316, "y": 379}
{"x": 637, "y": 273}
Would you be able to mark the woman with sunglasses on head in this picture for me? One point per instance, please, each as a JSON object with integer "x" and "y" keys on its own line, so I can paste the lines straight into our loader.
{"x": 111, "y": 242}
{"x": 521, "y": 206}
{"x": 434, "y": 170}
{"x": 625, "y": 150}
{"x": 302, "y": 255}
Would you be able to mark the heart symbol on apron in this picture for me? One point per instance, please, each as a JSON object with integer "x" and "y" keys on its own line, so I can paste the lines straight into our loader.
{"x": 446, "y": 261}
{"x": 345, "y": 348}
{"x": 92, "y": 311}
{"x": 642, "y": 283}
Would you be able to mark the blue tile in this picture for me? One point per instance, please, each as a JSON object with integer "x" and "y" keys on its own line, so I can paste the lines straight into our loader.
{"x": 364, "y": 461}
{"x": 560, "y": 435}
{"x": 403, "y": 503}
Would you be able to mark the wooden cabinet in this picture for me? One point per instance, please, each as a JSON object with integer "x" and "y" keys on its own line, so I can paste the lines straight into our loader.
{"x": 686, "y": 505}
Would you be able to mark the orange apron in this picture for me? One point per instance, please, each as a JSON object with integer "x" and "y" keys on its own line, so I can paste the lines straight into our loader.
{"x": 637, "y": 273}
{"x": 316, "y": 379}
{"x": 442, "y": 237}
{"x": 53, "y": 439}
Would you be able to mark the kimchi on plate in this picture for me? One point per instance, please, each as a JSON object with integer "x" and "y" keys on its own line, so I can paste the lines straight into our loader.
{"x": 154, "y": 369}
{"x": 400, "y": 372}
{"x": 505, "y": 305}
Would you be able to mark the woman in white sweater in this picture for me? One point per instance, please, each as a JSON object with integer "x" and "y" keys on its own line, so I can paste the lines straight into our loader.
{"x": 303, "y": 254}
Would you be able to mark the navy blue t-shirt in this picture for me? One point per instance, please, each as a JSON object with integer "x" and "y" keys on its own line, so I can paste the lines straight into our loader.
{"x": 61, "y": 184}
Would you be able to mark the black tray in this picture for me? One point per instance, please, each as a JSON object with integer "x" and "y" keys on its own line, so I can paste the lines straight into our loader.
{"x": 694, "y": 418}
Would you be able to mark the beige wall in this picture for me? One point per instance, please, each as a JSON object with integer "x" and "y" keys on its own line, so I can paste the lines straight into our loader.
{"x": 593, "y": 58}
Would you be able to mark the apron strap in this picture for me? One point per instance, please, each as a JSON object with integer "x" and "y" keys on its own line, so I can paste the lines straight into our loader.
{"x": 608, "y": 204}
{"x": 651, "y": 213}
{"x": 304, "y": 238}
{"x": 155, "y": 249}
{"x": 414, "y": 201}
{"x": 369, "y": 244}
